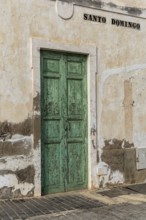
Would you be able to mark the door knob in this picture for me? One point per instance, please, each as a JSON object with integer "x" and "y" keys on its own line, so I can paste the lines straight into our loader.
{"x": 67, "y": 126}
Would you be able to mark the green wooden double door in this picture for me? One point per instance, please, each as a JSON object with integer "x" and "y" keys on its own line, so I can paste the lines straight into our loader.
{"x": 63, "y": 121}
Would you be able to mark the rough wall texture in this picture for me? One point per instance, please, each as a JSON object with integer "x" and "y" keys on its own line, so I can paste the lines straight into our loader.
{"x": 114, "y": 3}
{"x": 121, "y": 156}
{"x": 121, "y": 91}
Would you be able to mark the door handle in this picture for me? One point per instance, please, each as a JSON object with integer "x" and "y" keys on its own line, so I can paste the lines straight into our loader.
{"x": 67, "y": 126}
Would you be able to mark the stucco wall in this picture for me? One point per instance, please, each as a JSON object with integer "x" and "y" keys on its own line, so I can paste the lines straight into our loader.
{"x": 129, "y": 3}
{"x": 121, "y": 95}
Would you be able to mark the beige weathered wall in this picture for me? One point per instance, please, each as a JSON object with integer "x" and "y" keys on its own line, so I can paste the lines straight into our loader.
{"x": 129, "y": 3}
{"x": 121, "y": 95}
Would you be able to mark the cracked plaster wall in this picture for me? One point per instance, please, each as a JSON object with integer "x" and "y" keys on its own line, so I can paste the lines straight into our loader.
{"x": 121, "y": 95}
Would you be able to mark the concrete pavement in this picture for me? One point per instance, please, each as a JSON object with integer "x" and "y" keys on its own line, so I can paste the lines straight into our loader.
{"x": 109, "y": 204}
{"x": 122, "y": 211}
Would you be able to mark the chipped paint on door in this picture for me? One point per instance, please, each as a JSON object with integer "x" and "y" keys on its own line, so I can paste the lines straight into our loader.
{"x": 64, "y": 121}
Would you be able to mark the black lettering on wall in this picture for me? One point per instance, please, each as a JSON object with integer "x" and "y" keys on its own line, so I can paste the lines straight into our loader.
{"x": 138, "y": 26}
{"x": 128, "y": 24}
{"x": 94, "y": 18}
{"x": 85, "y": 16}
{"x": 103, "y": 20}
{"x": 115, "y": 22}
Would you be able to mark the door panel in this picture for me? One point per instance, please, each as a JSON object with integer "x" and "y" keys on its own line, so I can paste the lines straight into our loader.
{"x": 75, "y": 130}
{"x": 63, "y": 121}
{"x": 75, "y": 164}
{"x": 53, "y": 165}
{"x": 74, "y": 67}
{"x": 74, "y": 97}
{"x": 76, "y": 80}
{"x": 52, "y": 134}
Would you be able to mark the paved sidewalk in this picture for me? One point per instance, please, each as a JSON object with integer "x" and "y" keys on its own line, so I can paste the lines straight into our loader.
{"x": 112, "y": 212}
{"x": 111, "y": 204}
{"x": 55, "y": 204}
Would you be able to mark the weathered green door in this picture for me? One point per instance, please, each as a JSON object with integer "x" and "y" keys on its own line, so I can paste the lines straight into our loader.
{"x": 64, "y": 121}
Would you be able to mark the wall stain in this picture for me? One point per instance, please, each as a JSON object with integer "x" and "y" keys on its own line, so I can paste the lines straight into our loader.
{"x": 97, "y": 157}
{"x": 9, "y": 193}
{"x": 37, "y": 130}
{"x": 113, "y": 153}
{"x": 131, "y": 174}
{"x": 3, "y": 161}
{"x": 6, "y": 193}
{"x": 132, "y": 11}
{"x": 17, "y": 194}
{"x": 36, "y": 102}
{"x": 117, "y": 144}
{"x": 26, "y": 175}
{"x": 121, "y": 155}
{"x": 93, "y": 3}
{"x": 6, "y": 172}
{"x": 20, "y": 147}
{"x": 36, "y": 121}
{"x": 8, "y": 129}
{"x": 100, "y": 4}
{"x": 112, "y": 5}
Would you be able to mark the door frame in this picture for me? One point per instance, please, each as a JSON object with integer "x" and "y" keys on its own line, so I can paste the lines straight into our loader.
{"x": 91, "y": 52}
